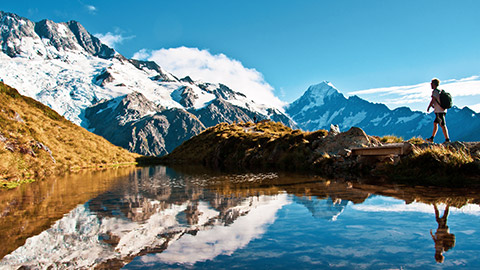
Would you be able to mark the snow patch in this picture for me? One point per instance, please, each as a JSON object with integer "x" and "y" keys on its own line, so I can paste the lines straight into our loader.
{"x": 353, "y": 120}
{"x": 407, "y": 118}
{"x": 379, "y": 119}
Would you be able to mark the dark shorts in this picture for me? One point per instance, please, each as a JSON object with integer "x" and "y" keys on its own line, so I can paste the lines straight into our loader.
{"x": 440, "y": 119}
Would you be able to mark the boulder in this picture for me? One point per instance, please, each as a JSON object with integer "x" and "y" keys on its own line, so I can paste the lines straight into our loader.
{"x": 336, "y": 144}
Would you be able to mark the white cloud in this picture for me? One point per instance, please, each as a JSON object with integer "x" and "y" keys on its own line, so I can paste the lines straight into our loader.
{"x": 469, "y": 209}
{"x": 91, "y": 9}
{"x": 465, "y": 92}
{"x": 218, "y": 240}
{"x": 111, "y": 39}
{"x": 143, "y": 54}
{"x": 475, "y": 107}
{"x": 202, "y": 65}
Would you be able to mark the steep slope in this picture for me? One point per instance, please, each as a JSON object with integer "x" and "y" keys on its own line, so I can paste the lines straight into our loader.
{"x": 35, "y": 141}
{"x": 322, "y": 105}
{"x": 68, "y": 69}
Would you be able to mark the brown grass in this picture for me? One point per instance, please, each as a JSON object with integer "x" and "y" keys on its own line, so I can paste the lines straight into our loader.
{"x": 391, "y": 139}
{"x": 394, "y": 139}
{"x": 25, "y": 122}
{"x": 265, "y": 145}
{"x": 438, "y": 165}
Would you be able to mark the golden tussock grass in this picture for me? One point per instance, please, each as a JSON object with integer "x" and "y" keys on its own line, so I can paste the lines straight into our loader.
{"x": 438, "y": 165}
{"x": 395, "y": 139}
{"x": 26, "y": 125}
{"x": 266, "y": 144}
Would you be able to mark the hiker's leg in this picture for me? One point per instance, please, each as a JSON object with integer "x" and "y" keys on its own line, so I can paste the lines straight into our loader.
{"x": 445, "y": 132}
{"x": 443, "y": 124}
{"x": 435, "y": 128}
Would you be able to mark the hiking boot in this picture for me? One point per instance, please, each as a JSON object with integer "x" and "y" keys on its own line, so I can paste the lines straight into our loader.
{"x": 429, "y": 140}
{"x": 447, "y": 140}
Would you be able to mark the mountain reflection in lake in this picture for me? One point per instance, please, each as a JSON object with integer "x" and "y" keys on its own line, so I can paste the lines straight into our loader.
{"x": 160, "y": 218}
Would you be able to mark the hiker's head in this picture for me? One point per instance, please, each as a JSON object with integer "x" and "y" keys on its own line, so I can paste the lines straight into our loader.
{"x": 435, "y": 83}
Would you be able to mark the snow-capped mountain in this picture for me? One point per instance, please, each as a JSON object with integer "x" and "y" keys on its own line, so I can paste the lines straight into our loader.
{"x": 322, "y": 105}
{"x": 70, "y": 70}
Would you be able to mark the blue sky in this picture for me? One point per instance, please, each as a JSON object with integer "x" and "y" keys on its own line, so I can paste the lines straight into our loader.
{"x": 290, "y": 45}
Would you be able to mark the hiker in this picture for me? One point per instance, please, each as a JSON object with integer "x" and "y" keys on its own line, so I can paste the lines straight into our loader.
{"x": 444, "y": 240}
{"x": 439, "y": 112}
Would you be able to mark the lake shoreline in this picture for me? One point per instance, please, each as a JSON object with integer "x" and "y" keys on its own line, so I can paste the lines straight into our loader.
{"x": 271, "y": 146}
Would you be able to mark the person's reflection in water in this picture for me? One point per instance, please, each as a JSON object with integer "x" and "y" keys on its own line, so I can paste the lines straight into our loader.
{"x": 444, "y": 240}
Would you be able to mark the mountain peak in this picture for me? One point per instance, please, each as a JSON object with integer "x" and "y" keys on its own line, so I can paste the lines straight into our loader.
{"x": 322, "y": 89}
{"x": 16, "y": 30}
{"x": 316, "y": 95}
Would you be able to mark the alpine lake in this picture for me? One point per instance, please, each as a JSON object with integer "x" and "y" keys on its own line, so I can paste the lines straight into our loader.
{"x": 188, "y": 218}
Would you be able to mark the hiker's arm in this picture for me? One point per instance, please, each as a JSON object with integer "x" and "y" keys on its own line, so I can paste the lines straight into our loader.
{"x": 431, "y": 104}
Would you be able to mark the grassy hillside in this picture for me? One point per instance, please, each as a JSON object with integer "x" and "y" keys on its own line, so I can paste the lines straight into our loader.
{"x": 35, "y": 142}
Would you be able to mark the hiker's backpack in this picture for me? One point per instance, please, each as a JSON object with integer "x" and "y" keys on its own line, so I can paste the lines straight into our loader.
{"x": 445, "y": 100}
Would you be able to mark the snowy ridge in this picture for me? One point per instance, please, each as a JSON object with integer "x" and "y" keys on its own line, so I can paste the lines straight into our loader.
{"x": 69, "y": 84}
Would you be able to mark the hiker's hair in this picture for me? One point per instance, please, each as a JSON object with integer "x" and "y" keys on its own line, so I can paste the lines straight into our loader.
{"x": 436, "y": 81}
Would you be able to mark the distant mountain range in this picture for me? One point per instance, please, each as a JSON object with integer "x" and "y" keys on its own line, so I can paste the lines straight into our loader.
{"x": 322, "y": 105}
{"x": 142, "y": 107}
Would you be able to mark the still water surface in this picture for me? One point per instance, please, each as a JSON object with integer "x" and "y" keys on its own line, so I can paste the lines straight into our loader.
{"x": 158, "y": 218}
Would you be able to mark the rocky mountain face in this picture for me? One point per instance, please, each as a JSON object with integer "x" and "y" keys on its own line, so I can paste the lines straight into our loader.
{"x": 134, "y": 104}
{"x": 135, "y": 123}
{"x": 20, "y": 34}
{"x": 323, "y": 105}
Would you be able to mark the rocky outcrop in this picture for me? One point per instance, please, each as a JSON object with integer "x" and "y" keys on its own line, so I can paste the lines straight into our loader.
{"x": 90, "y": 43}
{"x": 103, "y": 78}
{"x": 186, "y": 95}
{"x": 335, "y": 143}
{"x": 161, "y": 75}
{"x": 13, "y": 31}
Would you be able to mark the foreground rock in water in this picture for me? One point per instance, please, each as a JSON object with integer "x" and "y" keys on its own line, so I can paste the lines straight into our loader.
{"x": 269, "y": 145}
